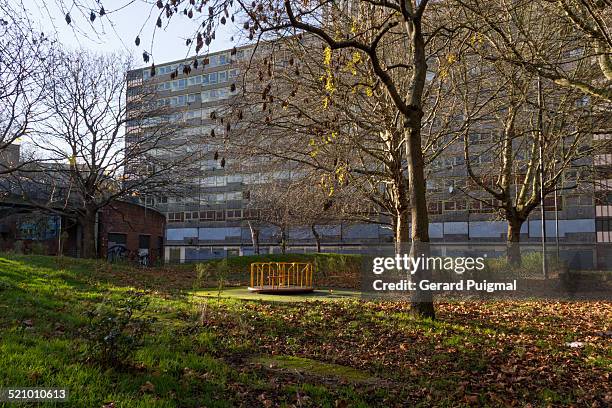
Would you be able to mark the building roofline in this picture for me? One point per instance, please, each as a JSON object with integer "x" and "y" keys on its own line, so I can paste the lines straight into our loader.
{"x": 190, "y": 58}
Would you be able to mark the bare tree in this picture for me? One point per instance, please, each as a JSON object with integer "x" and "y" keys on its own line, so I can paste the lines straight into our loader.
{"x": 520, "y": 138}
{"x": 568, "y": 42}
{"x": 24, "y": 59}
{"x": 92, "y": 161}
{"x": 291, "y": 203}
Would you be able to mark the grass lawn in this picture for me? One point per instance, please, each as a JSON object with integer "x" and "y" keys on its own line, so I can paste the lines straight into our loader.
{"x": 240, "y": 349}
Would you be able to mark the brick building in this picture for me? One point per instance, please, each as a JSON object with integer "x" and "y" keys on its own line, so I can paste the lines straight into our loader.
{"x": 125, "y": 230}
{"x": 129, "y": 230}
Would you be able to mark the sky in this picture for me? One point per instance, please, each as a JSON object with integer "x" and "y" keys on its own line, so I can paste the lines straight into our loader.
{"x": 117, "y": 30}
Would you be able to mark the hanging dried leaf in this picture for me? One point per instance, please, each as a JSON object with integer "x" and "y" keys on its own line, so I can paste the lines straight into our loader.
{"x": 212, "y": 132}
{"x": 159, "y": 22}
{"x": 223, "y": 162}
{"x": 160, "y": 5}
{"x": 216, "y": 156}
{"x": 223, "y": 21}
{"x": 137, "y": 41}
{"x": 102, "y": 11}
{"x": 233, "y": 51}
{"x": 213, "y": 115}
{"x": 145, "y": 56}
{"x": 199, "y": 43}
{"x": 233, "y": 88}
{"x": 68, "y": 19}
{"x": 92, "y": 16}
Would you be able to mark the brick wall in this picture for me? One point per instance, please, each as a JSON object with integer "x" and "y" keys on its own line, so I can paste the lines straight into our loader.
{"x": 133, "y": 221}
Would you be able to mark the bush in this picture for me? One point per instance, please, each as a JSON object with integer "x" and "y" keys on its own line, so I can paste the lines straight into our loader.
{"x": 39, "y": 248}
{"x": 531, "y": 266}
{"x": 116, "y": 330}
{"x": 204, "y": 272}
{"x": 18, "y": 247}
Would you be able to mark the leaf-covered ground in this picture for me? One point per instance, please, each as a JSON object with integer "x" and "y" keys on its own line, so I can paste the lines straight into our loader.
{"x": 341, "y": 353}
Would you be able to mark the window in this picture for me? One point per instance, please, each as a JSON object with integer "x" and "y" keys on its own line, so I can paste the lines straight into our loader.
{"x": 450, "y": 206}
{"x": 220, "y": 216}
{"x": 193, "y": 114}
{"x": 603, "y": 224}
{"x": 233, "y": 73}
{"x": 116, "y": 239}
{"x": 191, "y": 98}
{"x": 192, "y": 215}
{"x": 252, "y": 213}
{"x": 207, "y": 215}
{"x": 144, "y": 241}
{"x": 234, "y": 178}
{"x": 222, "y": 76}
{"x": 578, "y": 200}
{"x": 164, "y": 86}
{"x": 175, "y": 217}
{"x": 212, "y": 78}
{"x": 234, "y": 195}
{"x": 220, "y": 181}
{"x": 208, "y": 181}
{"x": 195, "y": 80}
{"x": 434, "y": 207}
{"x": 234, "y": 214}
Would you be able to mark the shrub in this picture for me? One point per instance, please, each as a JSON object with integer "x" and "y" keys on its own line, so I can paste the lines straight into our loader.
{"x": 18, "y": 247}
{"x": 38, "y": 248}
{"x": 204, "y": 272}
{"x": 116, "y": 330}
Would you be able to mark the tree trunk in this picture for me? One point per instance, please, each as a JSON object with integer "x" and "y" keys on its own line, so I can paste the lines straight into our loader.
{"x": 283, "y": 241}
{"x": 513, "y": 241}
{"x": 317, "y": 237}
{"x": 401, "y": 232}
{"x": 88, "y": 228}
{"x": 421, "y": 301}
{"x": 254, "y": 238}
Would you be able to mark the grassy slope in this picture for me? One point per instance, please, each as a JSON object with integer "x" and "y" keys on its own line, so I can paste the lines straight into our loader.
{"x": 230, "y": 352}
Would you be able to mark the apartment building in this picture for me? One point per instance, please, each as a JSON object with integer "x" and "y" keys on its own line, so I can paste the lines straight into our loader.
{"x": 211, "y": 219}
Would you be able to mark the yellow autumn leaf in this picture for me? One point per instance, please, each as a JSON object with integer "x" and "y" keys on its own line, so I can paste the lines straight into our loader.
{"x": 327, "y": 53}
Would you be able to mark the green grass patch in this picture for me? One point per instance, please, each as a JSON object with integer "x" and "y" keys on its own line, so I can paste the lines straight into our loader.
{"x": 327, "y": 349}
{"x": 309, "y": 366}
